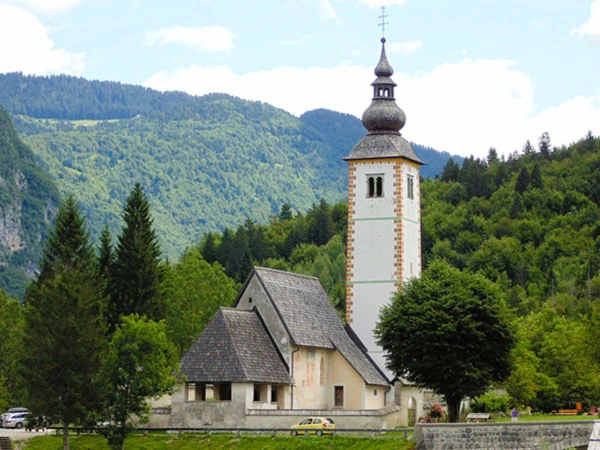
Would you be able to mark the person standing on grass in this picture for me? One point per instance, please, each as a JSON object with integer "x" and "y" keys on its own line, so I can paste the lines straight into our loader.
{"x": 515, "y": 414}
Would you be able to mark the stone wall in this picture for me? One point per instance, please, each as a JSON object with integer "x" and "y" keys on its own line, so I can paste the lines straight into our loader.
{"x": 381, "y": 419}
{"x": 504, "y": 436}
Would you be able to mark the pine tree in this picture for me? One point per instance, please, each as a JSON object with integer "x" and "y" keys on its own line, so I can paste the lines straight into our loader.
{"x": 208, "y": 248}
{"x": 544, "y": 144}
{"x": 64, "y": 325}
{"x": 320, "y": 223}
{"x": 68, "y": 245}
{"x": 536, "y": 177}
{"x": 451, "y": 171}
{"x": 528, "y": 148}
{"x": 286, "y": 212}
{"x": 522, "y": 183}
{"x": 105, "y": 254}
{"x": 137, "y": 274}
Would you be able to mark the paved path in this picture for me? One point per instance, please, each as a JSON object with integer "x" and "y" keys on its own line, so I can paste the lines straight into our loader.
{"x": 15, "y": 434}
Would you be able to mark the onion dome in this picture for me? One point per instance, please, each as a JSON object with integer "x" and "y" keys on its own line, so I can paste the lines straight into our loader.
{"x": 383, "y": 120}
{"x": 383, "y": 114}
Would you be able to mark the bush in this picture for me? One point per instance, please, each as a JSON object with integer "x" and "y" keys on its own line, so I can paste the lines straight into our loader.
{"x": 491, "y": 402}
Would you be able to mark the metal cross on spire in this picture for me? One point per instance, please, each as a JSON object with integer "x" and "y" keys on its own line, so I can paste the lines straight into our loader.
{"x": 383, "y": 23}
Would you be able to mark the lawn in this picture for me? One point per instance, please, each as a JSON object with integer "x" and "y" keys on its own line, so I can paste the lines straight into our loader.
{"x": 245, "y": 442}
{"x": 546, "y": 418}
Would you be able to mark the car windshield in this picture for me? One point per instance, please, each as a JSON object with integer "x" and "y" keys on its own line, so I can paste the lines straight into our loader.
{"x": 329, "y": 420}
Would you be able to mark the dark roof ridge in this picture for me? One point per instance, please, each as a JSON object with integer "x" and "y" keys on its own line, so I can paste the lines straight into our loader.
{"x": 264, "y": 324}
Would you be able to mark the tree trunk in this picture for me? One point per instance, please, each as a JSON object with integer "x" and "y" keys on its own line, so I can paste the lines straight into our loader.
{"x": 66, "y": 436}
{"x": 453, "y": 404}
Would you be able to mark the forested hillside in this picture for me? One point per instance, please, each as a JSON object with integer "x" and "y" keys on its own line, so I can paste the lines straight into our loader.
{"x": 206, "y": 163}
{"x": 28, "y": 202}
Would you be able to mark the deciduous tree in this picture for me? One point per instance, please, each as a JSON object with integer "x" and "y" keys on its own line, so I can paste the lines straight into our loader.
{"x": 447, "y": 331}
{"x": 138, "y": 367}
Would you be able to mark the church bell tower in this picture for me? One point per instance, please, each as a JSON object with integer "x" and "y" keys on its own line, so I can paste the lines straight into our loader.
{"x": 384, "y": 212}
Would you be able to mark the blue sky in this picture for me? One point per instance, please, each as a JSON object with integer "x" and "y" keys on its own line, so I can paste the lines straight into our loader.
{"x": 471, "y": 74}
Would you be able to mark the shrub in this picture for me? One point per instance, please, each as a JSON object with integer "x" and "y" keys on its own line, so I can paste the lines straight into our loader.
{"x": 491, "y": 402}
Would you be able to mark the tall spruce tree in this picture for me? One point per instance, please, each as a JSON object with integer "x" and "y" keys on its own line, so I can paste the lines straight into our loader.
{"x": 105, "y": 254}
{"x": 137, "y": 273}
{"x": 64, "y": 326}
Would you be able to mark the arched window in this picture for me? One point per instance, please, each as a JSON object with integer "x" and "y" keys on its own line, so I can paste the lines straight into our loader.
{"x": 375, "y": 186}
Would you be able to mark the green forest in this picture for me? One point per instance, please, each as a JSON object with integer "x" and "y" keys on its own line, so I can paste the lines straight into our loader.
{"x": 206, "y": 162}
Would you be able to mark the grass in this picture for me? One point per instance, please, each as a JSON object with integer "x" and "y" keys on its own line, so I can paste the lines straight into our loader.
{"x": 546, "y": 418}
{"x": 225, "y": 442}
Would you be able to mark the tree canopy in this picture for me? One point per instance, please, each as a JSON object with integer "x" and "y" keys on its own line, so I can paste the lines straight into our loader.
{"x": 137, "y": 367}
{"x": 447, "y": 331}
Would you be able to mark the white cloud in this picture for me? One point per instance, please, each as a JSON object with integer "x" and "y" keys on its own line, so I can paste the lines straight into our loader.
{"x": 50, "y": 7}
{"x": 464, "y": 107}
{"x": 28, "y": 48}
{"x": 379, "y": 3}
{"x": 405, "y": 48}
{"x": 326, "y": 11}
{"x": 208, "y": 39}
{"x": 591, "y": 28}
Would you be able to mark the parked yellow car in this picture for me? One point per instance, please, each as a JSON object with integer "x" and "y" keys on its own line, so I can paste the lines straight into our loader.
{"x": 314, "y": 425}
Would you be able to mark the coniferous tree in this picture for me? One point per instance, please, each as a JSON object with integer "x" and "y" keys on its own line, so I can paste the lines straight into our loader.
{"x": 528, "y": 149}
{"x": 208, "y": 248}
{"x": 105, "y": 254}
{"x": 64, "y": 325}
{"x": 320, "y": 223}
{"x": 522, "y": 183}
{"x": 137, "y": 274}
{"x": 451, "y": 171}
{"x": 286, "y": 212}
{"x": 544, "y": 144}
{"x": 536, "y": 177}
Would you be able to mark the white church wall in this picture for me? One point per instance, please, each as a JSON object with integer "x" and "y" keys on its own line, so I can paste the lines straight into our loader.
{"x": 310, "y": 381}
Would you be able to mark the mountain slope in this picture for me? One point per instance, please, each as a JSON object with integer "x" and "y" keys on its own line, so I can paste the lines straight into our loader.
{"x": 28, "y": 202}
{"x": 205, "y": 162}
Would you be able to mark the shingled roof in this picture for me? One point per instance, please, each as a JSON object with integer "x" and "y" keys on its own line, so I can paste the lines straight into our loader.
{"x": 235, "y": 347}
{"x": 311, "y": 319}
{"x": 383, "y": 145}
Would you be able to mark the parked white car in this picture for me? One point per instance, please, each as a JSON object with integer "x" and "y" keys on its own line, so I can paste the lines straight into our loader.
{"x": 12, "y": 419}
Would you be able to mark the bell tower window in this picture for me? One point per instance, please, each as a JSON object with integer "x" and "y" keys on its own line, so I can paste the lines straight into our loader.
{"x": 410, "y": 187}
{"x": 375, "y": 186}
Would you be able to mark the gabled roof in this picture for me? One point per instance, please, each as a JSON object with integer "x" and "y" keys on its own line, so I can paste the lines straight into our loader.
{"x": 235, "y": 347}
{"x": 311, "y": 319}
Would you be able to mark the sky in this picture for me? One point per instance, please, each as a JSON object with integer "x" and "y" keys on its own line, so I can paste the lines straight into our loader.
{"x": 471, "y": 74}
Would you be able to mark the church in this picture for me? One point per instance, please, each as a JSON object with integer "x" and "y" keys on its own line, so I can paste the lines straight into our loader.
{"x": 281, "y": 352}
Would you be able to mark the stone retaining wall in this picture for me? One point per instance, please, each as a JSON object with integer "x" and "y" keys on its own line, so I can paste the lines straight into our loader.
{"x": 386, "y": 418}
{"x": 504, "y": 436}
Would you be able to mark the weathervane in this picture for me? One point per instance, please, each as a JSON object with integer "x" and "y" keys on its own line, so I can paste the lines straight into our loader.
{"x": 383, "y": 23}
